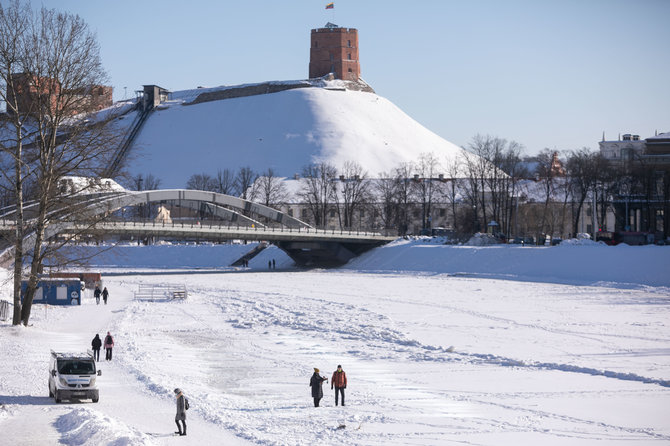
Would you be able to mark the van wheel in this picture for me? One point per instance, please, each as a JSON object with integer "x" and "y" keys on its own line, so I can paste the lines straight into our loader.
{"x": 95, "y": 400}
{"x": 51, "y": 394}
{"x": 58, "y": 400}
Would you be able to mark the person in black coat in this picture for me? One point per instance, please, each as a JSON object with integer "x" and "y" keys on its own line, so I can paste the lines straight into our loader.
{"x": 105, "y": 294}
{"x": 96, "y": 294}
{"x": 316, "y": 382}
{"x": 96, "y": 343}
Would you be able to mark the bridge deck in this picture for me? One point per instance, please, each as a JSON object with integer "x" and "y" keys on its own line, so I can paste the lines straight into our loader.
{"x": 217, "y": 232}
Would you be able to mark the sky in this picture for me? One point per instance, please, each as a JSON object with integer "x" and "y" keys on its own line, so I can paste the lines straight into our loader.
{"x": 547, "y": 74}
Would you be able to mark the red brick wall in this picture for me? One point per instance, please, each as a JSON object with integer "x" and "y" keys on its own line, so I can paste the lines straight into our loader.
{"x": 334, "y": 50}
{"x": 30, "y": 89}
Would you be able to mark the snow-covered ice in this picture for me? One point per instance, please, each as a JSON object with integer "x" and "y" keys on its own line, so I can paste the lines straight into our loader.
{"x": 435, "y": 352}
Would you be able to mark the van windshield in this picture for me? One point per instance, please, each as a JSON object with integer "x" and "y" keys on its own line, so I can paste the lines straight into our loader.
{"x": 75, "y": 367}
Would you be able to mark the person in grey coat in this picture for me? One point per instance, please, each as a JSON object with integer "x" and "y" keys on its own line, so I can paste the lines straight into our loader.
{"x": 316, "y": 383}
{"x": 181, "y": 412}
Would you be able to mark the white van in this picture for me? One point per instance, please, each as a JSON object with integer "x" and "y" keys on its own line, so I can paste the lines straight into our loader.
{"x": 72, "y": 377}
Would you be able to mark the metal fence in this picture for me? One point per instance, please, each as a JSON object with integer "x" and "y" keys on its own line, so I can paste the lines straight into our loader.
{"x": 161, "y": 292}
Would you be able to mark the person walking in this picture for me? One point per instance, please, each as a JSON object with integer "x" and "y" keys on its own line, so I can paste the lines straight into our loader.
{"x": 105, "y": 295}
{"x": 96, "y": 293}
{"x": 96, "y": 343}
{"x": 274, "y": 265}
{"x": 339, "y": 382}
{"x": 109, "y": 344}
{"x": 316, "y": 383}
{"x": 182, "y": 406}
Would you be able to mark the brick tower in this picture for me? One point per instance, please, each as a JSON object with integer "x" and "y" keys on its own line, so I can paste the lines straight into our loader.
{"x": 334, "y": 50}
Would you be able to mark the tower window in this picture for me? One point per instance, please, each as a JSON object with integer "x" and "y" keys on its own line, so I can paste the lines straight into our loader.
{"x": 316, "y": 44}
{"x": 349, "y": 43}
{"x": 349, "y": 56}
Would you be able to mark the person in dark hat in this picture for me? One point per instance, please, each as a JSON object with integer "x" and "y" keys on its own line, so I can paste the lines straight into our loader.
{"x": 182, "y": 405}
{"x": 316, "y": 382}
{"x": 339, "y": 382}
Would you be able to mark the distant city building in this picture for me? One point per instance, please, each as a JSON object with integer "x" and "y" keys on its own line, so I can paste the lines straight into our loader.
{"x": 31, "y": 92}
{"x": 334, "y": 50}
{"x": 622, "y": 149}
{"x": 649, "y": 159}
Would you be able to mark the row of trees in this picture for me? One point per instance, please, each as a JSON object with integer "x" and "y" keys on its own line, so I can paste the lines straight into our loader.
{"x": 47, "y": 57}
{"x": 491, "y": 181}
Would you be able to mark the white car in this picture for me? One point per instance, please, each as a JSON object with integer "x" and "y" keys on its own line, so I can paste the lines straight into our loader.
{"x": 72, "y": 377}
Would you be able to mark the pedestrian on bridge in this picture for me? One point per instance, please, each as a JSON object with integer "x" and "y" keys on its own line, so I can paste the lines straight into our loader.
{"x": 105, "y": 294}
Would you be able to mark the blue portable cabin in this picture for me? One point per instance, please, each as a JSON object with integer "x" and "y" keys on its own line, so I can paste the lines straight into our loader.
{"x": 55, "y": 291}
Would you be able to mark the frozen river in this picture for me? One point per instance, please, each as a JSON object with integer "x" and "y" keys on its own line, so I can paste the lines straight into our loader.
{"x": 430, "y": 359}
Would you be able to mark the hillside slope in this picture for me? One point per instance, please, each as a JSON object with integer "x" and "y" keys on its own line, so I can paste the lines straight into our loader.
{"x": 283, "y": 131}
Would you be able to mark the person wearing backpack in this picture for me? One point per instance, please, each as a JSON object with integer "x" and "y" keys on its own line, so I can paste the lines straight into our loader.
{"x": 109, "y": 344}
{"x": 182, "y": 407}
{"x": 96, "y": 343}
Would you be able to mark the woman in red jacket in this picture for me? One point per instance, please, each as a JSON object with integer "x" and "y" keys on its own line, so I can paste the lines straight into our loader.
{"x": 339, "y": 381}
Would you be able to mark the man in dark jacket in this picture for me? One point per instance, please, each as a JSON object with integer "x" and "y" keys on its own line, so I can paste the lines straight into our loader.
{"x": 97, "y": 293}
{"x": 316, "y": 382}
{"x": 105, "y": 294}
{"x": 96, "y": 343}
{"x": 181, "y": 412}
{"x": 339, "y": 381}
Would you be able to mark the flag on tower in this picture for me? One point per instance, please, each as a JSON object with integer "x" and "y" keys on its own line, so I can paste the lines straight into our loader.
{"x": 330, "y": 5}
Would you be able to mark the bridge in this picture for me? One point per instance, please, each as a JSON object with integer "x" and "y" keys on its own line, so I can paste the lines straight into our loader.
{"x": 225, "y": 218}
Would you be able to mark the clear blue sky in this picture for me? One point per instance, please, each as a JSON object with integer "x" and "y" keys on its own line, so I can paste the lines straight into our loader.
{"x": 544, "y": 73}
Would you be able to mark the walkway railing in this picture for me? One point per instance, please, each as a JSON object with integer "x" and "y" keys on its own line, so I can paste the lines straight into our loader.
{"x": 226, "y": 229}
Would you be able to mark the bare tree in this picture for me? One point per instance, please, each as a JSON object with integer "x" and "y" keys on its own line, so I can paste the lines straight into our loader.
{"x": 317, "y": 190}
{"x": 244, "y": 181}
{"x": 59, "y": 60}
{"x": 425, "y": 185}
{"x": 403, "y": 186}
{"x": 271, "y": 190}
{"x": 580, "y": 170}
{"x": 14, "y": 25}
{"x": 451, "y": 190}
{"x": 547, "y": 176}
{"x": 352, "y": 193}
{"x": 201, "y": 181}
{"x": 225, "y": 182}
{"x": 385, "y": 189}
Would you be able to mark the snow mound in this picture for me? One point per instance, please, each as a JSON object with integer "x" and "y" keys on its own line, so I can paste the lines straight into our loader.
{"x": 86, "y": 427}
{"x": 482, "y": 239}
{"x": 581, "y": 242}
{"x": 581, "y": 262}
{"x": 284, "y": 131}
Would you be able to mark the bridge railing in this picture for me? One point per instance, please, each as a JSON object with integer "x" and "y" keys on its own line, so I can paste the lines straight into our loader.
{"x": 213, "y": 225}
{"x": 8, "y": 225}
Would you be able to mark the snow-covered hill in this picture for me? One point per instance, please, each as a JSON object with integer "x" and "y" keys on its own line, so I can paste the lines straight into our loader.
{"x": 283, "y": 131}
